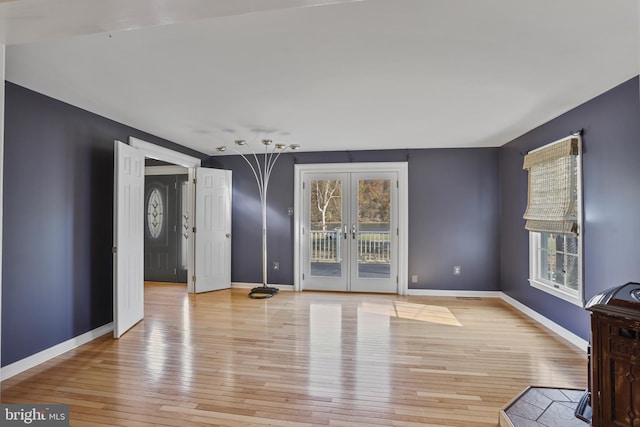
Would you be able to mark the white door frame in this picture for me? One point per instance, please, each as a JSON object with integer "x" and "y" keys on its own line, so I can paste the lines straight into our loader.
{"x": 401, "y": 168}
{"x": 156, "y": 152}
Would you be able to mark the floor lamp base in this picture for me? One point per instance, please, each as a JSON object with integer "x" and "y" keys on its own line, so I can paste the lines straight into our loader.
{"x": 262, "y": 292}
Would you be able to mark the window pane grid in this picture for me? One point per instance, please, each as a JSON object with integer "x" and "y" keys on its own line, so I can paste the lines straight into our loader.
{"x": 558, "y": 256}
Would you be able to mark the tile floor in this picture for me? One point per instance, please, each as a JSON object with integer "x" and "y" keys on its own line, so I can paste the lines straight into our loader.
{"x": 545, "y": 407}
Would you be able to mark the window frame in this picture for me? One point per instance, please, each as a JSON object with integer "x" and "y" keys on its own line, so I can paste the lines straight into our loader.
{"x": 535, "y": 238}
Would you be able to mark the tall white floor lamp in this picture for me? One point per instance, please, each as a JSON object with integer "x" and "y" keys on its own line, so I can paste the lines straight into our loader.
{"x": 262, "y": 173}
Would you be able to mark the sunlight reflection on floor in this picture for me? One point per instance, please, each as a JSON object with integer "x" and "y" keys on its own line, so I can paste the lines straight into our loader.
{"x": 407, "y": 310}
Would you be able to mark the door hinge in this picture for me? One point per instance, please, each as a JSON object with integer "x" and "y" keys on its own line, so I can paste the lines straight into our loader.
{"x": 175, "y": 272}
{"x": 114, "y": 250}
{"x": 303, "y": 185}
{"x": 195, "y": 181}
{"x": 397, "y": 184}
{"x": 397, "y": 231}
{"x": 194, "y": 278}
{"x": 194, "y": 229}
{"x": 302, "y": 276}
{"x": 175, "y": 185}
{"x": 397, "y": 280}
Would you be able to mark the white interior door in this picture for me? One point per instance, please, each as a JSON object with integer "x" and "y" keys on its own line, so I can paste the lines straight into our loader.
{"x": 213, "y": 230}
{"x": 128, "y": 275}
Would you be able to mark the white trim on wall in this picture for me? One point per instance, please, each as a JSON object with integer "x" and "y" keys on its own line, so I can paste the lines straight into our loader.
{"x": 547, "y": 323}
{"x": 401, "y": 168}
{"x": 51, "y": 352}
{"x": 444, "y": 293}
{"x": 165, "y": 170}
{"x": 247, "y": 285}
{"x": 157, "y": 152}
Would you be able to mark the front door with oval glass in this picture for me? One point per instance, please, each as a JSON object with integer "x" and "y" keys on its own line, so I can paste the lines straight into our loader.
{"x": 165, "y": 248}
{"x": 350, "y": 232}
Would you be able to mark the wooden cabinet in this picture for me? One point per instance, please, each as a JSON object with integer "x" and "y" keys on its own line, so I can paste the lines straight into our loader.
{"x": 615, "y": 357}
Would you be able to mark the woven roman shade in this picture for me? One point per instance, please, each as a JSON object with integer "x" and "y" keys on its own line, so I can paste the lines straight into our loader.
{"x": 553, "y": 187}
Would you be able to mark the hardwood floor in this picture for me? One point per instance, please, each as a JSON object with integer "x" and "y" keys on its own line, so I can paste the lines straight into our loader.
{"x": 303, "y": 359}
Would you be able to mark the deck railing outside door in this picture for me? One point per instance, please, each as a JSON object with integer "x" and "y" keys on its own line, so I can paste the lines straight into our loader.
{"x": 373, "y": 246}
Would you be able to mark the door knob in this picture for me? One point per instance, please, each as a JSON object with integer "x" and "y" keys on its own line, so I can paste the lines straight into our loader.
{"x": 228, "y": 235}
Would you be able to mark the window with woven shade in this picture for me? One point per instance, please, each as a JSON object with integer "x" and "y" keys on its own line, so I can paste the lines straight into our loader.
{"x": 552, "y": 202}
{"x": 553, "y": 218}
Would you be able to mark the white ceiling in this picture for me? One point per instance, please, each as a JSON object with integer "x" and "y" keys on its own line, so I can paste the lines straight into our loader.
{"x": 343, "y": 75}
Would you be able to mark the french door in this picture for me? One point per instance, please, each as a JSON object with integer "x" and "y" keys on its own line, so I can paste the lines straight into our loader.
{"x": 350, "y": 231}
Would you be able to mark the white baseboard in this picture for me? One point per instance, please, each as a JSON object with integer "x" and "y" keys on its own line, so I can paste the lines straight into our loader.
{"x": 549, "y": 324}
{"x": 48, "y": 354}
{"x": 444, "y": 293}
{"x": 245, "y": 285}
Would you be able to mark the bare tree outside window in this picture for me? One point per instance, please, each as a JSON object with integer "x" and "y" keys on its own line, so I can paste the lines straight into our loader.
{"x": 326, "y": 196}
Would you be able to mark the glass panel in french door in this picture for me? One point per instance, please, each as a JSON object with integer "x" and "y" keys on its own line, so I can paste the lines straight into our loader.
{"x": 374, "y": 228}
{"x": 324, "y": 238}
{"x": 374, "y": 266}
{"x": 325, "y": 227}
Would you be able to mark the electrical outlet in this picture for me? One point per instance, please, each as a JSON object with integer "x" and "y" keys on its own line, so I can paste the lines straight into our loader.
{"x": 276, "y": 265}
{"x": 414, "y": 278}
{"x": 456, "y": 270}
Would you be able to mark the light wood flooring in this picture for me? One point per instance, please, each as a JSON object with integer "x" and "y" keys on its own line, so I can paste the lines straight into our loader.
{"x": 303, "y": 359}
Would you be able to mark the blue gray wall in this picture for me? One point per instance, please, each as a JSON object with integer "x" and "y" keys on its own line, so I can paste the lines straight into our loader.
{"x": 465, "y": 208}
{"x": 58, "y": 216}
{"x": 453, "y": 215}
{"x": 611, "y": 187}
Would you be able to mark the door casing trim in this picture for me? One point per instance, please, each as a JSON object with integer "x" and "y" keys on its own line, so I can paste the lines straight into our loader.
{"x": 401, "y": 168}
{"x": 157, "y": 152}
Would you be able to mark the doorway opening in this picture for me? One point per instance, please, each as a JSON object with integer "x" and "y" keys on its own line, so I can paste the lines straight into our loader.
{"x": 208, "y": 201}
{"x": 167, "y": 222}
{"x": 165, "y": 162}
